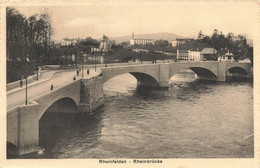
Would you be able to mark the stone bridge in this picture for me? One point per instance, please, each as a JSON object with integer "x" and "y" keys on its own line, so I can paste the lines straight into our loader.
{"x": 159, "y": 74}
{"x": 87, "y": 95}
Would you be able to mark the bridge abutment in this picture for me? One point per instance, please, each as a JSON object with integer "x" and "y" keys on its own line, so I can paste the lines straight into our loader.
{"x": 91, "y": 96}
{"x": 23, "y": 128}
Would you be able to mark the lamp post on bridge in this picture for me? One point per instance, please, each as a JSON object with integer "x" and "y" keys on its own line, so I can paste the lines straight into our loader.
{"x": 93, "y": 54}
{"x": 26, "y": 76}
{"x": 82, "y": 62}
{"x": 95, "y": 63}
{"x": 26, "y": 99}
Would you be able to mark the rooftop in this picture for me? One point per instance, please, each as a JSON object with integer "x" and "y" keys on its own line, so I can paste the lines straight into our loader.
{"x": 224, "y": 52}
{"x": 201, "y": 46}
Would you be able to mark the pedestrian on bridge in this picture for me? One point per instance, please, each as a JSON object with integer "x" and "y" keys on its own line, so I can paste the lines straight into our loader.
{"x": 77, "y": 72}
{"x": 88, "y": 72}
{"x": 21, "y": 83}
{"x": 51, "y": 86}
{"x": 74, "y": 78}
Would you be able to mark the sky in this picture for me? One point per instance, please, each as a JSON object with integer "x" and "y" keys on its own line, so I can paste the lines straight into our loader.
{"x": 120, "y": 19}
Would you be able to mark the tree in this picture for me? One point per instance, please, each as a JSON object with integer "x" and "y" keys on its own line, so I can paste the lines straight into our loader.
{"x": 200, "y": 35}
{"x": 86, "y": 44}
{"x": 27, "y": 38}
{"x": 250, "y": 55}
{"x": 161, "y": 43}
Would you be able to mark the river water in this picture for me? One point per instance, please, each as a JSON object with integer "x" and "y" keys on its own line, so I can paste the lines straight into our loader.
{"x": 191, "y": 119}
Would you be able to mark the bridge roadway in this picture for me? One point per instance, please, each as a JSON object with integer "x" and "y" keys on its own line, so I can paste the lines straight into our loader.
{"x": 16, "y": 96}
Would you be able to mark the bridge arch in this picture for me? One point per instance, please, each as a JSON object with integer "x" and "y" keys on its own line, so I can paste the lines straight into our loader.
{"x": 204, "y": 73}
{"x": 63, "y": 104}
{"x": 145, "y": 79}
{"x": 144, "y": 75}
{"x": 201, "y": 72}
{"x": 237, "y": 70}
{"x": 12, "y": 150}
{"x": 142, "y": 79}
{"x": 48, "y": 121}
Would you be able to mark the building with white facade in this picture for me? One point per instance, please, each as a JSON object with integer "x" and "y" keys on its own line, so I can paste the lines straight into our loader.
{"x": 195, "y": 55}
{"x": 134, "y": 41}
{"x": 183, "y": 50}
{"x": 183, "y": 54}
{"x": 228, "y": 56}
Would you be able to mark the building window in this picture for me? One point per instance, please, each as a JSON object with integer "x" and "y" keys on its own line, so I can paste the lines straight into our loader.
{"x": 229, "y": 57}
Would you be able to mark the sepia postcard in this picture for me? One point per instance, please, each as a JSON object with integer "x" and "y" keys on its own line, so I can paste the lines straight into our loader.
{"x": 147, "y": 83}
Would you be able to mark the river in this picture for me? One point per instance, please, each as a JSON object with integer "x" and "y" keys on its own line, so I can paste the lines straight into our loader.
{"x": 191, "y": 119}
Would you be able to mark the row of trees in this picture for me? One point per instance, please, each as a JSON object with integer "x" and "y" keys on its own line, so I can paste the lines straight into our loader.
{"x": 28, "y": 42}
{"x": 28, "y": 38}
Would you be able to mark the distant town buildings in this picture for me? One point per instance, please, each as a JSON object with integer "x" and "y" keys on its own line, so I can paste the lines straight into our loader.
{"x": 193, "y": 51}
{"x": 68, "y": 42}
{"x": 134, "y": 41}
{"x": 202, "y": 52}
{"x": 105, "y": 45}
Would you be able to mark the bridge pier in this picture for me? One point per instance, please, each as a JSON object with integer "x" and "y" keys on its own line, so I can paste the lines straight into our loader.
{"x": 222, "y": 71}
{"x": 164, "y": 84}
{"x": 164, "y": 75}
{"x": 23, "y": 128}
{"x": 91, "y": 96}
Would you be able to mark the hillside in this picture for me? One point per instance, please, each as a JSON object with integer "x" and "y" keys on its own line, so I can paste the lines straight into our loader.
{"x": 156, "y": 36}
